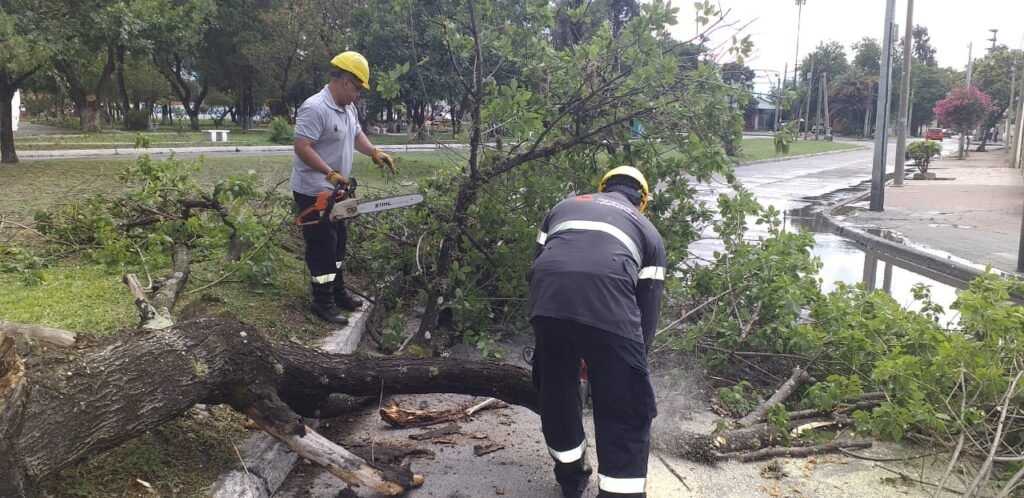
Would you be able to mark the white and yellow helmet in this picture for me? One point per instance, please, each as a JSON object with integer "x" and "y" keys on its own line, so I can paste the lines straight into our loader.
{"x": 632, "y": 173}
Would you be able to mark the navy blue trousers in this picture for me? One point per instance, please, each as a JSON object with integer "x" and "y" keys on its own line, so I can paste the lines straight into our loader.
{"x": 325, "y": 251}
{"x": 623, "y": 401}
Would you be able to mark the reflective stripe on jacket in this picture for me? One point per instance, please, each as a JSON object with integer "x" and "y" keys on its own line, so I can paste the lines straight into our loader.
{"x": 599, "y": 262}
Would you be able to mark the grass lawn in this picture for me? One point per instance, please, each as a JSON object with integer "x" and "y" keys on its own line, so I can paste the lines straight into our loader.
{"x": 764, "y": 148}
{"x": 33, "y": 185}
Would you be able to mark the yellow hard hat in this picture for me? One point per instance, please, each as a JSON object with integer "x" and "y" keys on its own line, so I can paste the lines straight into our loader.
{"x": 355, "y": 63}
{"x": 632, "y": 173}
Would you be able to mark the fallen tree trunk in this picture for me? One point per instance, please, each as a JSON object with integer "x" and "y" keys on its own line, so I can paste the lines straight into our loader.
{"x": 58, "y": 407}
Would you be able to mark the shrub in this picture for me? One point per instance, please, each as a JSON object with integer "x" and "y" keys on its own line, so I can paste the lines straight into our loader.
{"x": 922, "y": 153}
{"x": 137, "y": 119}
{"x": 280, "y": 132}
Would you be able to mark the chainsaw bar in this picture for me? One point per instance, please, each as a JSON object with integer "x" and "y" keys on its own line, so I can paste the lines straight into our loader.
{"x": 349, "y": 209}
{"x": 390, "y": 203}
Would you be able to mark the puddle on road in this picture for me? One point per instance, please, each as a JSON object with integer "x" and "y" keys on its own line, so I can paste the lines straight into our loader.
{"x": 844, "y": 261}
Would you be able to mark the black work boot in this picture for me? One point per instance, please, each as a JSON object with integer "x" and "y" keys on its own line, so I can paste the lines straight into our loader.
{"x": 323, "y": 305}
{"x": 573, "y": 477}
{"x": 347, "y": 301}
{"x": 328, "y": 313}
{"x": 342, "y": 298}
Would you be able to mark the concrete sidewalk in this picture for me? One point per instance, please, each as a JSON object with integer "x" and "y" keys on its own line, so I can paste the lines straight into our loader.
{"x": 971, "y": 214}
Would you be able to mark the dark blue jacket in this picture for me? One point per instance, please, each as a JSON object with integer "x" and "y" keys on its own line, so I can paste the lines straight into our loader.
{"x": 599, "y": 262}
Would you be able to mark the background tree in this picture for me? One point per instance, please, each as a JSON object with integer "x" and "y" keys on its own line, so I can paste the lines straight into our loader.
{"x": 828, "y": 59}
{"x": 993, "y": 76}
{"x": 180, "y": 51}
{"x": 851, "y": 98}
{"x": 94, "y": 30}
{"x": 867, "y": 55}
{"x": 923, "y": 50}
{"x": 929, "y": 84}
{"x": 962, "y": 110}
{"x": 291, "y": 42}
{"x": 24, "y": 55}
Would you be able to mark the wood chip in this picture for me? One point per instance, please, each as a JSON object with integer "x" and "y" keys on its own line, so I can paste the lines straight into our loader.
{"x": 483, "y": 449}
{"x": 447, "y": 430}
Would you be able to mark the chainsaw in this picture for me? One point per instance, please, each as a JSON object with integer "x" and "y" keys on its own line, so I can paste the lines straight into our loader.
{"x": 341, "y": 204}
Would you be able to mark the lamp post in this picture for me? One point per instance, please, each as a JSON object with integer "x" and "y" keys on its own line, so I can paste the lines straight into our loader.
{"x": 796, "y": 56}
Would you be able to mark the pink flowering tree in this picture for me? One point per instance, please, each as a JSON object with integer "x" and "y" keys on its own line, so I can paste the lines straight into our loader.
{"x": 962, "y": 110}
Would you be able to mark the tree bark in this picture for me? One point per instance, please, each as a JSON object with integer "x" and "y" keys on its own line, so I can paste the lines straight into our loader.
{"x": 7, "y": 153}
{"x": 65, "y": 406}
{"x": 9, "y": 84}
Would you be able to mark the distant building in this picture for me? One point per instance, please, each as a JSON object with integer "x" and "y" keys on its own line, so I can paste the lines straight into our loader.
{"x": 761, "y": 118}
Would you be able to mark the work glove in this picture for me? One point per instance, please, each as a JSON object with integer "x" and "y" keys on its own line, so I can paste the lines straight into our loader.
{"x": 381, "y": 159}
{"x": 337, "y": 179}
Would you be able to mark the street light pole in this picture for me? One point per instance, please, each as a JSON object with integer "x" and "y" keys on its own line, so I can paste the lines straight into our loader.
{"x": 796, "y": 56}
{"x": 882, "y": 116}
{"x": 901, "y": 132}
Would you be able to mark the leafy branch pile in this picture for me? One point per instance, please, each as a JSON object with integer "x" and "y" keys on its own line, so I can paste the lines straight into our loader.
{"x": 233, "y": 226}
{"x": 883, "y": 369}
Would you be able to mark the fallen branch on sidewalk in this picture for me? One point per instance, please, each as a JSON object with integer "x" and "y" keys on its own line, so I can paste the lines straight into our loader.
{"x": 405, "y": 418}
{"x": 799, "y": 451}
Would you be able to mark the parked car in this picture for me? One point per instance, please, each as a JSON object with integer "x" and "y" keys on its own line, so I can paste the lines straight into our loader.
{"x": 934, "y": 134}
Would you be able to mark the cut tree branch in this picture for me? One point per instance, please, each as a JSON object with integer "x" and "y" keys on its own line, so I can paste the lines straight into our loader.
{"x": 798, "y": 377}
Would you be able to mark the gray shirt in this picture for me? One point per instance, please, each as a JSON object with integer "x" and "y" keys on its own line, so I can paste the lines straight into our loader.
{"x": 333, "y": 131}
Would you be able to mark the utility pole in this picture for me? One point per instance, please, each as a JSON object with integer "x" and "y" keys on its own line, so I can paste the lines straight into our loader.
{"x": 901, "y": 132}
{"x": 778, "y": 103}
{"x": 782, "y": 85}
{"x": 796, "y": 56}
{"x": 824, "y": 98}
{"x": 970, "y": 63}
{"x": 882, "y": 113}
{"x": 1010, "y": 115}
{"x": 810, "y": 88}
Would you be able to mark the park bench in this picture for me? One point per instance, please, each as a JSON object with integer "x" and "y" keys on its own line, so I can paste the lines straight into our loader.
{"x": 218, "y": 135}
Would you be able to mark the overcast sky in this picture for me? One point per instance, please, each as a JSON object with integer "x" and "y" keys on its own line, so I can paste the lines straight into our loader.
{"x": 952, "y": 25}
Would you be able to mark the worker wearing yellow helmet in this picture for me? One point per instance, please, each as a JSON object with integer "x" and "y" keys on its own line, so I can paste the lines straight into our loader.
{"x": 595, "y": 289}
{"x": 327, "y": 132}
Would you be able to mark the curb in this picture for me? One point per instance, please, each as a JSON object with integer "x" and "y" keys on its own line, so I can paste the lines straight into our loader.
{"x": 265, "y": 461}
{"x": 133, "y": 152}
{"x": 801, "y": 156}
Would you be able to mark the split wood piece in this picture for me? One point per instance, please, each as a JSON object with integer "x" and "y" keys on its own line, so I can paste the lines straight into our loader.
{"x": 447, "y": 430}
{"x": 799, "y": 451}
{"x": 404, "y": 418}
{"x": 343, "y": 464}
{"x": 798, "y": 377}
{"x": 23, "y": 333}
{"x": 483, "y": 449}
